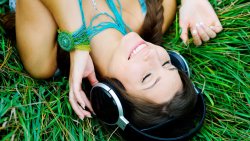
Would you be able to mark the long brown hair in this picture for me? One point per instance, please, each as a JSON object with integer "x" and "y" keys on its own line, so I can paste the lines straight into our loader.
{"x": 144, "y": 113}
{"x": 152, "y": 27}
{"x": 7, "y": 21}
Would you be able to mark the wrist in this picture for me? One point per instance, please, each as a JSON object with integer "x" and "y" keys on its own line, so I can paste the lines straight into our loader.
{"x": 78, "y": 55}
{"x": 69, "y": 41}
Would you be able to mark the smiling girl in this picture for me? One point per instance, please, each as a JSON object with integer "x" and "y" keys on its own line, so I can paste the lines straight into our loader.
{"x": 124, "y": 37}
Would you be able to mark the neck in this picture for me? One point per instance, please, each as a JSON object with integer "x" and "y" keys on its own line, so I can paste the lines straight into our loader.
{"x": 103, "y": 47}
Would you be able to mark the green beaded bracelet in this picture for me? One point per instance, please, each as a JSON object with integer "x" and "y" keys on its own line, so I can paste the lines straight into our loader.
{"x": 68, "y": 42}
{"x": 65, "y": 41}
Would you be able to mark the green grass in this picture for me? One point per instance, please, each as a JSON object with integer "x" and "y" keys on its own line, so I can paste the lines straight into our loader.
{"x": 39, "y": 109}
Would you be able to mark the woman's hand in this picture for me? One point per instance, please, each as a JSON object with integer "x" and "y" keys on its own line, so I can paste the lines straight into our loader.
{"x": 199, "y": 17}
{"x": 81, "y": 66}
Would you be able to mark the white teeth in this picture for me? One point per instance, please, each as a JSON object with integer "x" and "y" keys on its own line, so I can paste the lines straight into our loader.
{"x": 137, "y": 49}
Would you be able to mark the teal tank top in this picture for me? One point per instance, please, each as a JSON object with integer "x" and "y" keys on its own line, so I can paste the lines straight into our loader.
{"x": 116, "y": 22}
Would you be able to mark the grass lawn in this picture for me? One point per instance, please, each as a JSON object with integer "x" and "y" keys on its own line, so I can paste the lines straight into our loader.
{"x": 39, "y": 109}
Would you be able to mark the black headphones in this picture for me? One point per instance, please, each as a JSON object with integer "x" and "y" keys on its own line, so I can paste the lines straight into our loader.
{"x": 109, "y": 107}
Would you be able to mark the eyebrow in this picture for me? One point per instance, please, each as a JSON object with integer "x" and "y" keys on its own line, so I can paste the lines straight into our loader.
{"x": 156, "y": 81}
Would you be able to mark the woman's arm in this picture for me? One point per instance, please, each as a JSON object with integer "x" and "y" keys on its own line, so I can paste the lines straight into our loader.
{"x": 66, "y": 13}
{"x": 199, "y": 17}
{"x": 68, "y": 17}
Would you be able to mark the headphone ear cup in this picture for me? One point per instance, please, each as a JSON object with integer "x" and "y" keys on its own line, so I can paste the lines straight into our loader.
{"x": 114, "y": 84}
{"x": 104, "y": 104}
{"x": 107, "y": 102}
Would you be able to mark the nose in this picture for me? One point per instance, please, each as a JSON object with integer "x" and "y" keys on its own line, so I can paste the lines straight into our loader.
{"x": 148, "y": 56}
{"x": 151, "y": 57}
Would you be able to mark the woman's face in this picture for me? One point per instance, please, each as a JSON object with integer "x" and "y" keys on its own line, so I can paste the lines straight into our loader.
{"x": 145, "y": 70}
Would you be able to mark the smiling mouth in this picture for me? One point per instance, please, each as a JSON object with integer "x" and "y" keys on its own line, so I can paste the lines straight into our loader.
{"x": 136, "y": 50}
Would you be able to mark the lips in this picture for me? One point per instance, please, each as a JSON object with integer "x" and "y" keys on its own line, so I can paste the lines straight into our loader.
{"x": 135, "y": 50}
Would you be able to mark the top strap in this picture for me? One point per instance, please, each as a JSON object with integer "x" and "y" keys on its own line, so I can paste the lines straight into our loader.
{"x": 143, "y": 6}
{"x": 116, "y": 22}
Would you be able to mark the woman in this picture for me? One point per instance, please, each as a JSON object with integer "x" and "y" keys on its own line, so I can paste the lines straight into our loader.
{"x": 142, "y": 68}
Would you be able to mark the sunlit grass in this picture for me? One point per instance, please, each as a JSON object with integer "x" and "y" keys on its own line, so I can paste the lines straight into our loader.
{"x": 39, "y": 109}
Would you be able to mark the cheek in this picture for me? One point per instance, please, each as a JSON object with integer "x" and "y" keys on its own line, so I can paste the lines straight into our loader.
{"x": 128, "y": 74}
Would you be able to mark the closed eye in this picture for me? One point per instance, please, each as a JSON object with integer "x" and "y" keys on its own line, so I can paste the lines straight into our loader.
{"x": 171, "y": 67}
{"x": 146, "y": 77}
{"x": 167, "y": 62}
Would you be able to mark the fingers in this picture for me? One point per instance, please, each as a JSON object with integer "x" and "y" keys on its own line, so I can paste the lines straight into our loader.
{"x": 81, "y": 66}
{"x": 208, "y": 30}
{"x": 79, "y": 109}
{"x": 87, "y": 102}
{"x": 78, "y": 100}
{"x": 83, "y": 101}
{"x": 90, "y": 72}
{"x": 196, "y": 37}
{"x": 202, "y": 33}
{"x": 78, "y": 95}
{"x": 92, "y": 78}
{"x": 85, "y": 113}
{"x": 184, "y": 34}
{"x": 217, "y": 27}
